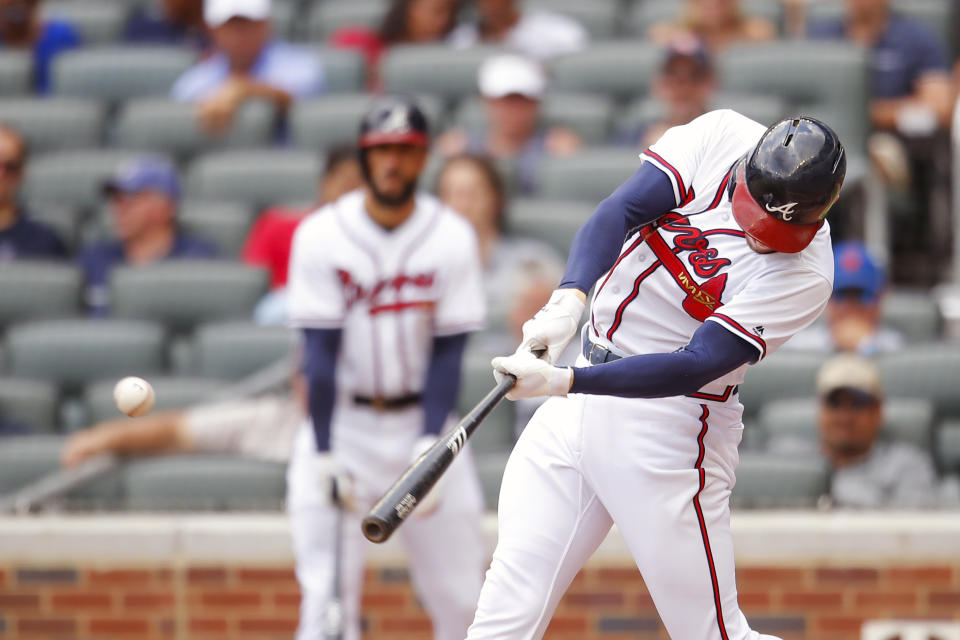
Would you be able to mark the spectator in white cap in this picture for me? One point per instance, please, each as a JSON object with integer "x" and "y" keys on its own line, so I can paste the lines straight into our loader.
{"x": 247, "y": 64}
{"x": 533, "y": 32}
{"x": 512, "y": 87}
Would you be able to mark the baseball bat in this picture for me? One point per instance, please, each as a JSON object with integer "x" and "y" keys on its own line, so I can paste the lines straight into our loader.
{"x": 403, "y": 497}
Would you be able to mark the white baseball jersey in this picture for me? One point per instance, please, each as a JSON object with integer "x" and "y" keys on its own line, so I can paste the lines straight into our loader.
{"x": 391, "y": 291}
{"x": 697, "y": 255}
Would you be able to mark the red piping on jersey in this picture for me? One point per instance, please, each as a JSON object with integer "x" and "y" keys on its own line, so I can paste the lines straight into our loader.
{"x": 401, "y": 306}
{"x": 630, "y": 298}
{"x": 705, "y": 413}
{"x": 750, "y": 337}
{"x": 716, "y": 397}
{"x": 724, "y": 232}
{"x": 701, "y": 300}
{"x": 686, "y": 195}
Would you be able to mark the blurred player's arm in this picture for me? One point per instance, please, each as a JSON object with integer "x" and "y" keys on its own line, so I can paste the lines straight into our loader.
{"x": 443, "y": 382}
{"x": 321, "y": 347}
{"x": 164, "y": 432}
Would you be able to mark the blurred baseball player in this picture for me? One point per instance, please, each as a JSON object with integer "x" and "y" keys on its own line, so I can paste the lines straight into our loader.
{"x": 386, "y": 284}
{"x": 705, "y": 261}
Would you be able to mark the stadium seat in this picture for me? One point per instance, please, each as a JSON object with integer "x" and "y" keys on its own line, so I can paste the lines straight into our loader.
{"x": 119, "y": 73}
{"x": 344, "y": 70}
{"x": 496, "y": 433}
{"x": 195, "y": 482}
{"x": 55, "y": 123}
{"x": 590, "y": 175}
{"x": 914, "y": 313}
{"x": 74, "y": 178}
{"x": 784, "y": 374}
{"x": 98, "y": 21}
{"x": 172, "y": 127}
{"x": 765, "y": 109}
{"x": 765, "y": 480}
{"x": 26, "y": 459}
{"x": 925, "y": 371}
{"x": 182, "y": 293}
{"x": 16, "y": 73}
{"x": 647, "y": 13}
{"x": 33, "y": 290}
{"x": 599, "y": 17}
{"x": 259, "y": 178}
{"x": 620, "y": 70}
{"x": 77, "y": 352}
{"x": 588, "y": 115}
{"x": 433, "y": 69}
{"x": 30, "y": 402}
{"x": 935, "y": 14}
{"x": 171, "y": 393}
{"x": 553, "y": 221}
{"x": 232, "y": 350}
{"x": 226, "y": 224}
{"x": 327, "y": 17}
{"x": 948, "y": 446}
{"x": 282, "y": 16}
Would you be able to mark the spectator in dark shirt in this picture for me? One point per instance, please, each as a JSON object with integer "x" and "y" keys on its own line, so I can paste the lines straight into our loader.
{"x": 143, "y": 198}
{"x": 168, "y": 22}
{"x": 20, "y": 237}
{"x": 22, "y": 28}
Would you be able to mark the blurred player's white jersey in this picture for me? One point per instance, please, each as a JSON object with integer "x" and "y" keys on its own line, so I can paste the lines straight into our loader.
{"x": 694, "y": 266}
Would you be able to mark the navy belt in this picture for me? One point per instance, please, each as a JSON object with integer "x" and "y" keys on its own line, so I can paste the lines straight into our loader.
{"x": 597, "y": 354}
{"x": 380, "y": 403}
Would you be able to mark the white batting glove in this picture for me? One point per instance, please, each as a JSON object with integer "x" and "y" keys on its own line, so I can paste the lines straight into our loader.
{"x": 335, "y": 482}
{"x": 535, "y": 377}
{"x": 429, "y": 503}
{"x": 554, "y": 326}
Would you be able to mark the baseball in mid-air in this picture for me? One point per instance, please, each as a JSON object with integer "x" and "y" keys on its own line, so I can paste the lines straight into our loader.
{"x": 133, "y": 396}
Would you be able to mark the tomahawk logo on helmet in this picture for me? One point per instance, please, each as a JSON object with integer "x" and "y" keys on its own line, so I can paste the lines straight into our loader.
{"x": 783, "y": 189}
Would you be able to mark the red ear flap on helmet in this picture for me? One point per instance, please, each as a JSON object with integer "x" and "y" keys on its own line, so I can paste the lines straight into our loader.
{"x": 763, "y": 227}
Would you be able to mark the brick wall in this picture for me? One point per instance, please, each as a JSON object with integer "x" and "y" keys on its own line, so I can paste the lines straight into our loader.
{"x": 609, "y": 602}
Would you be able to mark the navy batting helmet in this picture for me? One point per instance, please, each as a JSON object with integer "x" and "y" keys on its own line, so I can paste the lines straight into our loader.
{"x": 393, "y": 121}
{"x": 783, "y": 189}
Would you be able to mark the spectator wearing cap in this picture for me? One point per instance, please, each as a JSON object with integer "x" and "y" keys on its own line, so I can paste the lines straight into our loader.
{"x": 512, "y": 87}
{"x": 682, "y": 89}
{"x": 168, "y": 22}
{"x": 20, "y": 236}
{"x": 854, "y": 311}
{"x": 718, "y": 23}
{"x": 533, "y": 32}
{"x": 143, "y": 201}
{"x": 21, "y": 27}
{"x": 247, "y": 64}
{"x": 867, "y": 471}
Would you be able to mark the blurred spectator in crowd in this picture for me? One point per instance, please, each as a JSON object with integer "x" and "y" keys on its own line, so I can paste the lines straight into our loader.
{"x": 532, "y": 32}
{"x": 405, "y": 22}
{"x": 20, "y": 237}
{"x": 21, "y": 27}
{"x": 472, "y": 186}
{"x": 512, "y": 88}
{"x": 248, "y": 64}
{"x": 682, "y": 89}
{"x": 11, "y": 427}
{"x": 168, "y": 22}
{"x": 912, "y": 91}
{"x": 143, "y": 199}
{"x": 268, "y": 244}
{"x": 718, "y": 23}
{"x": 854, "y": 311}
{"x": 867, "y": 472}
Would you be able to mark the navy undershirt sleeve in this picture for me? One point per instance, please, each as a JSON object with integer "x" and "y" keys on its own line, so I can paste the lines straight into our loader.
{"x": 712, "y": 352}
{"x": 443, "y": 381}
{"x": 321, "y": 347}
{"x": 643, "y": 198}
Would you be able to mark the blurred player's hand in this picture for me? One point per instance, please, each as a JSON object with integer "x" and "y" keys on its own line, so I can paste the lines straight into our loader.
{"x": 81, "y": 446}
{"x": 429, "y": 503}
{"x": 535, "y": 377}
{"x": 216, "y": 112}
{"x": 554, "y": 325}
{"x": 335, "y": 481}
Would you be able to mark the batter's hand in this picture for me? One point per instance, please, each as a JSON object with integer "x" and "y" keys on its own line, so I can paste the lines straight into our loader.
{"x": 429, "y": 503}
{"x": 335, "y": 481}
{"x": 554, "y": 325}
{"x": 535, "y": 377}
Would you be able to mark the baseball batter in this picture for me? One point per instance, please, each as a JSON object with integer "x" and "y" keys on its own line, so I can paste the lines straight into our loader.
{"x": 386, "y": 284}
{"x": 705, "y": 261}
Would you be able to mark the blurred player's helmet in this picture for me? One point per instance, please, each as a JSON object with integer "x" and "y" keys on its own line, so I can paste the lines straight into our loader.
{"x": 393, "y": 121}
{"x": 783, "y": 189}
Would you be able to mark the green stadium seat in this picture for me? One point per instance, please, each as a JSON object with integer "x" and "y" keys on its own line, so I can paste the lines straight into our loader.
{"x": 183, "y": 293}
{"x": 98, "y": 21}
{"x": 171, "y": 393}
{"x": 553, "y": 221}
{"x": 55, "y": 123}
{"x": 172, "y": 127}
{"x": 588, "y": 115}
{"x": 935, "y": 14}
{"x": 433, "y": 69}
{"x": 327, "y": 17}
{"x": 16, "y": 73}
{"x": 784, "y": 374}
{"x": 203, "y": 482}
{"x": 260, "y": 178}
{"x": 925, "y": 371}
{"x": 765, "y": 480}
{"x": 344, "y": 70}
{"x": 619, "y": 69}
{"x": 74, "y": 178}
{"x": 914, "y": 313}
{"x": 599, "y": 17}
{"x": 33, "y": 403}
{"x": 647, "y": 13}
{"x": 226, "y": 224}
{"x": 75, "y": 353}
{"x": 948, "y": 446}
{"x": 232, "y": 350}
{"x": 590, "y": 175}
{"x": 119, "y": 73}
{"x": 26, "y": 459}
{"x": 33, "y": 290}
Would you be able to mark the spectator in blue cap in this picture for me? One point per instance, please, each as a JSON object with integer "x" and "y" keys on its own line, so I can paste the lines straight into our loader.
{"x": 854, "y": 311}
{"x": 143, "y": 200}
